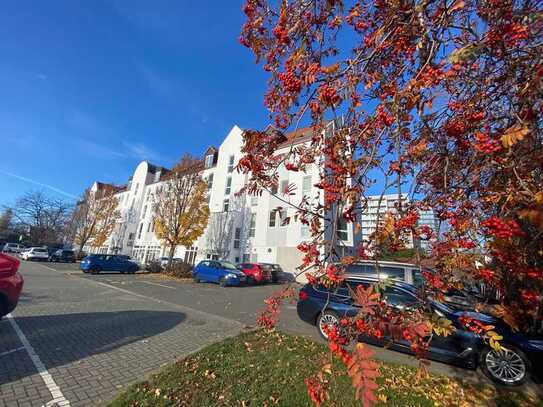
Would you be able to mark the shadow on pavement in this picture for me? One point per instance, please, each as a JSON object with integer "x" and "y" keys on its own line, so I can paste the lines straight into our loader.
{"x": 66, "y": 338}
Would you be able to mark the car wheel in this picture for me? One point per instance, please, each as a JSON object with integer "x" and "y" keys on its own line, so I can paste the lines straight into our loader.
{"x": 251, "y": 281}
{"x": 222, "y": 282}
{"x": 195, "y": 279}
{"x": 508, "y": 366}
{"x": 95, "y": 270}
{"x": 327, "y": 318}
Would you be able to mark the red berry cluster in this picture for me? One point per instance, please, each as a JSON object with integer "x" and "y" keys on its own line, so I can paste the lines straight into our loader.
{"x": 529, "y": 296}
{"x": 328, "y": 95}
{"x": 487, "y": 274}
{"x": 485, "y": 144}
{"x": 502, "y": 229}
{"x": 384, "y": 117}
{"x": 291, "y": 83}
{"x": 455, "y": 128}
{"x": 281, "y": 33}
{"x": 408, "y": 221}
{"x": 466, "y": 244}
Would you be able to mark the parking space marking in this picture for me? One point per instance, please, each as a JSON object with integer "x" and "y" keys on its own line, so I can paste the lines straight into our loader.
{"x": 11, "y": 351}
{"x": 160, "y": 285}
{"x": 178, "y": 306}
{"x": 58, "y": 397}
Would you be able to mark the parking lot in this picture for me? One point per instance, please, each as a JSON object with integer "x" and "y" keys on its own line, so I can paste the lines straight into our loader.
{"x": 77, "y": 339}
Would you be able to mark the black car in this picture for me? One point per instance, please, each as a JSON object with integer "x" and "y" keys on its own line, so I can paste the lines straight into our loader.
{"x": 275, "y": 270}
{"x": 63, "y": 255}
{"x": 322, "y": 307}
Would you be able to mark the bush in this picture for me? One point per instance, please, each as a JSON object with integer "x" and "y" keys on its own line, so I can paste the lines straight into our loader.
{"x": 179, "y": 269}
{"x": 153, "y": 267}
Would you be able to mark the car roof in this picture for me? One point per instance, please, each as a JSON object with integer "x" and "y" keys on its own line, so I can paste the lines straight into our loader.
{"x": 394, "y": 282}
{"x": 385, "y": 263}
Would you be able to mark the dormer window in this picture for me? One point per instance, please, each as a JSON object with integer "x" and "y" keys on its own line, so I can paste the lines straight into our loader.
{"x": 209, "y": 160}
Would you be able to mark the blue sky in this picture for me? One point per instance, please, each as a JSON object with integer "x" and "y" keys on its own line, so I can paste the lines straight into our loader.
{"x": 90, "y": 88}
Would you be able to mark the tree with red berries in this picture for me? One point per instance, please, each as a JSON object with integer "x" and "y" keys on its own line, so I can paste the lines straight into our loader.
{"x": 440, "y": 99}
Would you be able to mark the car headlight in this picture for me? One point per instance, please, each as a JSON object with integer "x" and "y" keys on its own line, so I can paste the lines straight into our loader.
{"x": 231, "y": 275}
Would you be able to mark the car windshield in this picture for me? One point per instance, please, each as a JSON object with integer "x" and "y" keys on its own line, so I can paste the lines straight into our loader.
{"x": 226, "y": 265}
{"x": 40, "y": 251}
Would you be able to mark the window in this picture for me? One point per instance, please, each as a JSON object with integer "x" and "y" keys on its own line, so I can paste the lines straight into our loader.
{"x": 228, "y": 186}
{"x": 190, "y": 255}
{"x": 283, "y": 221}
{"x": 342, "y": 232}
{"x": 393, "y": 272}
{"x": 149, "y": 227}
{"x": 209, "y": 160}
{"x": 284, "y": 187}
{"x": 140, "y": 230}
{"x": 254, "y": 200}
{"x": 136, "y": 189}
{"x": 231, "y": 163}
{"x": 304, "y": 231}
{"x": 252, "y": 225}
{"x": 210, "y": 181}
{"x": 274, "y": 189}
{"x": 306, "y": 186}
{"x": 399, "y": 298}
{"x": 272, "y": 218}
{"x": 153, "y": 225}
{"x": 144, "y": 212}
{"x": 237, "y": 238}
{"x": 226, "y": 205}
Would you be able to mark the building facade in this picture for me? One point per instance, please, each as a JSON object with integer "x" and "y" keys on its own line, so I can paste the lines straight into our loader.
{"x": 379, "y": 205}
{"x": 240, "y": 228}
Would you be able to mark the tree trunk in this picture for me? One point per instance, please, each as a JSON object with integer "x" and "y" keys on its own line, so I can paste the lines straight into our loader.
{"x": 170, "y": 257}
{"x": 80, "y": 250}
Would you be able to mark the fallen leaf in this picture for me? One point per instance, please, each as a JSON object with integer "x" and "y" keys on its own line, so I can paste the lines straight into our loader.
{"x": 513, "y": 135}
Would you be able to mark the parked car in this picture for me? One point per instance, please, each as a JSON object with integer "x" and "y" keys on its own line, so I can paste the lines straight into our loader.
{"x": 11, "y": 284}
{"x": 215, "y": 271}
{"x": 511, "y": 366}
{"x": 13, "y": 248}
{"x": 256, "y": 274}
{"x": 411, "y": 274}
{"x": 275, "y": 270}
{"x": 95, "y": 263}
{"x": 63, "y": 255}
{"x": 35, "y": 253}
{"x": 407, "y": 272}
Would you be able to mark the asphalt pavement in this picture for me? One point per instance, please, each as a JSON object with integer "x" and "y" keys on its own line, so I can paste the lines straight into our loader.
{"x": 78, "y": 339}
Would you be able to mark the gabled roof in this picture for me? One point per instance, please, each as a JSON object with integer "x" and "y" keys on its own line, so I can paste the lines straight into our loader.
{"x": 297, "y": 136}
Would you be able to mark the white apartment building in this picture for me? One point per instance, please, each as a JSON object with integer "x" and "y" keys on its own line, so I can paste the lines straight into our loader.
{"x": 240, "y": 228}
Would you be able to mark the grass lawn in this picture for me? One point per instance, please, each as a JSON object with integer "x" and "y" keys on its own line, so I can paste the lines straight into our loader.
{"x": 258, "y": 368}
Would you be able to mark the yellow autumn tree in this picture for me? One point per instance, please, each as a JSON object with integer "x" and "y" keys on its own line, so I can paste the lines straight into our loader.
{"x": 95, "y": 216}
{"x": 180, "y": 206}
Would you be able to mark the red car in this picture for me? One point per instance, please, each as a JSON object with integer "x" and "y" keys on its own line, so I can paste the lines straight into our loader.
{"x": 255, "y": 273}
{"x": 11, "y": 284}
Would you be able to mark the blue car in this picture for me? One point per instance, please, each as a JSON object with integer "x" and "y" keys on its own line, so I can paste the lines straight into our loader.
{"x": 221, "y": 272}
{"x": 95, "y": 263}
{"x": 512, "y": 366}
